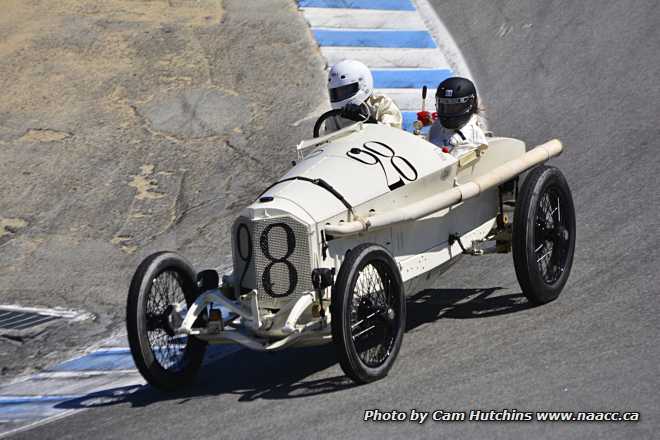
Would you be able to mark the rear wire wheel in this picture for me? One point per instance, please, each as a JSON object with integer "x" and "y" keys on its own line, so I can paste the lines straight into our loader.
{"x": 161, "y": 290}
{"x": 543, "y": 234}
{"x": 368, "y": 313}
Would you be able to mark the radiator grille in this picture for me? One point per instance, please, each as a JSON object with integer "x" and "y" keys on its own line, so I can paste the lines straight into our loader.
{"x": 272, "y": 256}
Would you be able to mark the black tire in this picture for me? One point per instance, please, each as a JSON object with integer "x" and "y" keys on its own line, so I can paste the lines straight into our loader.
{"x": 166, "y": 361}
{"x": 368, "y": 326}
{"x": 543, "y": 234}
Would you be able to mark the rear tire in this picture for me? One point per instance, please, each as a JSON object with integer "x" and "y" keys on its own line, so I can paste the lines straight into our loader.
{"x": 543, "y": 234}
{"x": 165, "y": 360}
{"x": 368, "y": 313}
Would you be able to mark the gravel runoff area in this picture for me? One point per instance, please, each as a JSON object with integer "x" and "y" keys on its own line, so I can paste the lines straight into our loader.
{"x": 133, "y": 126}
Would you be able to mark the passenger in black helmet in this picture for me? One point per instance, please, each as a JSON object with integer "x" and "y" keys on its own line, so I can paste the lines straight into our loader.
{"x": 457, "y": 128}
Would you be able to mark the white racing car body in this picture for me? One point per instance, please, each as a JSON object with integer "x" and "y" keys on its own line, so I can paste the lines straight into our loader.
{"x": 379, "y": 170}
{"x": 366, "y": 198}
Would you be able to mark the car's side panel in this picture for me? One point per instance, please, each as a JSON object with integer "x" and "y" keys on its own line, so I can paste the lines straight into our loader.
{"x": 421, "y": 246}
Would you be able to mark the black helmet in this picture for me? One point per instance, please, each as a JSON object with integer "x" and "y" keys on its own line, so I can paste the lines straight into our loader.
{"x": 455, "y": 101}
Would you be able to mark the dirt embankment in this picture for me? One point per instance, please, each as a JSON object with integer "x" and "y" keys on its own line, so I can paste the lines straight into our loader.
{"x": 130, "y": 126}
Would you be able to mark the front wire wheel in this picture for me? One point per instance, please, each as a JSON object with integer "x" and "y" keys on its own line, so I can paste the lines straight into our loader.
{"x": 161, "y": 290}
{"x": 368, "y": 313}
{"x": 163, "y": 305}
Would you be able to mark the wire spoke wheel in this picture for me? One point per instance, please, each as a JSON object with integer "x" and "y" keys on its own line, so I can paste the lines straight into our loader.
{"x": 161, "y": 291}
{"x": 368, "y": 313}
{"x": 373, "y": 316}
{"x": 551, "y": 236}
{"x": 165, "y": 297}
{"x": 543, "y": 234}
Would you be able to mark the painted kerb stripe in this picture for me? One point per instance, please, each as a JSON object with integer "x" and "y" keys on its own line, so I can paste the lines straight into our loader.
{"x": 363, "y": 19}
{"x": 409, "y": 78}
{"x": 374, "y": 38}
{"x": 387, "y": 57}
{"x": 20, "y": 400}
{"x": 391, "y": 5}
{"x": 99, "y": 360}
{"x": 121, "y": 359}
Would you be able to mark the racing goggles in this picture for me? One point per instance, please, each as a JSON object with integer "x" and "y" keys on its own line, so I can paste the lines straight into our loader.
{"x": 454, "y": 106}
{"x": 342, "y": 93}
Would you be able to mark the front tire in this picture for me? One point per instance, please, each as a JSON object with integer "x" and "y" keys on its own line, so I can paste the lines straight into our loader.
{"x": 368, "y": 313}
{"x": 162, "y": 283}
{"x": 543, "y": 234}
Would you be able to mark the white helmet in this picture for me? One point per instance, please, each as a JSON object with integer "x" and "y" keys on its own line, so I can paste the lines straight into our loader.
{"x": 349, "y": 82}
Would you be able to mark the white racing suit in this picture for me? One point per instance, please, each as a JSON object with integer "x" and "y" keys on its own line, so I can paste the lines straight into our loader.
{"x": 461, "y": 140}
{"x": 382, "y": 109}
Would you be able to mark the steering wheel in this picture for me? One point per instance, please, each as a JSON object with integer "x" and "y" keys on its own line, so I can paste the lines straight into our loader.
{"x": 363, "y": 115}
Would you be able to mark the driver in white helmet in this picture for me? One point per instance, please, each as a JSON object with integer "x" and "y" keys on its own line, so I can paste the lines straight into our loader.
{"x": 351, "y": 88}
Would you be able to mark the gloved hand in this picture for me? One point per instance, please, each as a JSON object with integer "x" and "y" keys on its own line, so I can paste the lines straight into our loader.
{"x": 425, "y": 118}
{"x": 353, "y": 112}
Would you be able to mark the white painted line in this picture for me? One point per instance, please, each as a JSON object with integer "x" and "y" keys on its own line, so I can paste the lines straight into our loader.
{"x": 37, "y": 398}
{"x": 387, "y": 57}
{"x": 81, "y": 374}
{"x": 103, "y": 350}
{"x": 362, "y": 18}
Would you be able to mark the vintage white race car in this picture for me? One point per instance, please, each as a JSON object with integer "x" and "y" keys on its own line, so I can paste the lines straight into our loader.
{"x": 327, "y": 253}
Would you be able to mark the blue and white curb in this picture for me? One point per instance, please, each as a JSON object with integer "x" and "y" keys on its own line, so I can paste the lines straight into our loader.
{"x": 403, "y": 42}
{"x": 105, "y": 373}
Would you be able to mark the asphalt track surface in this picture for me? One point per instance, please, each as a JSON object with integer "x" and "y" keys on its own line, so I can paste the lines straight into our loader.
{"x": 584, "y": 72}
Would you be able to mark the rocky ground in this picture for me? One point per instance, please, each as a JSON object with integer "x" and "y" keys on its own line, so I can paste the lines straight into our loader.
{"x": 131, "y": 126}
